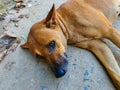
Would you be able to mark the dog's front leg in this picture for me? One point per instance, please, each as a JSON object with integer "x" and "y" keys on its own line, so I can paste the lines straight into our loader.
{"x": 104, "y": 54}
{"x": 114, "y": 35}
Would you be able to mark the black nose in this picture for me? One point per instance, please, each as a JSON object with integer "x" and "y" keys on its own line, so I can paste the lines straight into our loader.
{"x": 59, "y": 69}
{"x": 60, "y": 72}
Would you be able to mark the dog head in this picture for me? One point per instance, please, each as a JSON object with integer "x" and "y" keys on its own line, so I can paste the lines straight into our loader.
{"x": 47, "y": 40}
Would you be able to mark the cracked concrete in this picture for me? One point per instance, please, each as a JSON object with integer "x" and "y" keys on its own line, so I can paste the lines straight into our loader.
{"x": 20, "y": 70}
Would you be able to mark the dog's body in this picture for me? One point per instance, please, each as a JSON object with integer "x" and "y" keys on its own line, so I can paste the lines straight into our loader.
{"x": 81, "y": 23}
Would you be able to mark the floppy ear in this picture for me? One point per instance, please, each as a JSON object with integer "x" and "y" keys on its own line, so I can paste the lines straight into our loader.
{"x": 51, "y": 17}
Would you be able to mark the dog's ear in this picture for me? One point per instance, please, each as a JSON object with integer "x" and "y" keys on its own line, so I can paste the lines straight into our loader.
{"x": 25, "y": 46}
{"x": 51, "y": 17}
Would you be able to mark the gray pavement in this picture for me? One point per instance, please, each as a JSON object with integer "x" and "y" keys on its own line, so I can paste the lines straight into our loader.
{"x": 20, "y": 70}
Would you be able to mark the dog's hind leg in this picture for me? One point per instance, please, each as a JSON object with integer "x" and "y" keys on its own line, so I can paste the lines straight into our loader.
{"x": 104, "y": 54}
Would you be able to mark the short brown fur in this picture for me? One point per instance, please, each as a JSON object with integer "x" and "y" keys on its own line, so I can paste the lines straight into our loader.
{"x": 81, "y": 23}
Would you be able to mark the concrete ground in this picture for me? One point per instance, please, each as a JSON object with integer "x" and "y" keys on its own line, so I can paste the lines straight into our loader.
{"x": 20, "y": 70}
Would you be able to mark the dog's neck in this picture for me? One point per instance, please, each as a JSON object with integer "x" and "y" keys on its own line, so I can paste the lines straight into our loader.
{"x": 68, "y": 25}
{"x": 63, "y": 26}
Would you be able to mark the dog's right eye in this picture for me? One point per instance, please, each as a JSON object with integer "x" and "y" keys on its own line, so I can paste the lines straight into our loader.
{"x": 51, "y": 46}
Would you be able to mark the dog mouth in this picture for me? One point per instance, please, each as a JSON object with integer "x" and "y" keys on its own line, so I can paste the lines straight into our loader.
{"x": 58, "y": 68}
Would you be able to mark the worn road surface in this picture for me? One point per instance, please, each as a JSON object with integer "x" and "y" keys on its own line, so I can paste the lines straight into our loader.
{"x": 20, "y": 70}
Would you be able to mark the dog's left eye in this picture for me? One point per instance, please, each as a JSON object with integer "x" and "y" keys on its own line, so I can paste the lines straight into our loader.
{"x": 51, "y": 46}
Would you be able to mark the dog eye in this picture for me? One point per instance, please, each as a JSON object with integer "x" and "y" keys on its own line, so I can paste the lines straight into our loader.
{"x": 51, "y": 46}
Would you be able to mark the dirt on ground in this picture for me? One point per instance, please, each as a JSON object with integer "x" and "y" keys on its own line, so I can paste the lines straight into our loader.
{"x": 19, "y": 70}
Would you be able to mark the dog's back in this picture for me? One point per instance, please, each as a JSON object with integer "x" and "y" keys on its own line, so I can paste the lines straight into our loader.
{"x": 110, "y": 8}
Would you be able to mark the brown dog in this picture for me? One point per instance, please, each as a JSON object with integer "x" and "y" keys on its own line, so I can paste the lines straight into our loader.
{"x": 81, "y": 23}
